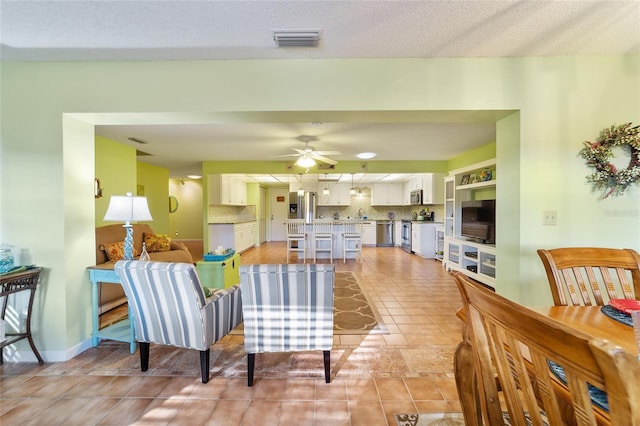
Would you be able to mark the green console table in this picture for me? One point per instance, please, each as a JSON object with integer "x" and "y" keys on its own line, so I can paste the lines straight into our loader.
{"x": 121, "y": 331}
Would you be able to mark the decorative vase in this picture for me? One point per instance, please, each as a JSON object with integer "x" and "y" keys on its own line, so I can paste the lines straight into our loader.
{"x": 144, "y": 256}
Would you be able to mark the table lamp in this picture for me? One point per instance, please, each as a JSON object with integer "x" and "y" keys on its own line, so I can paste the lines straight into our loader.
{"x": 127, "y": 209}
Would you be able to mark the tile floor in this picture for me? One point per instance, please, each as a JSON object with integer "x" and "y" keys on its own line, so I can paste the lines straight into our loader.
{"x": 373, "y": 376}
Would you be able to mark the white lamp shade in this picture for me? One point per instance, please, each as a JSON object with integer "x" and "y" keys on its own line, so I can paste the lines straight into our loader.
{"x": 125, "y": 208}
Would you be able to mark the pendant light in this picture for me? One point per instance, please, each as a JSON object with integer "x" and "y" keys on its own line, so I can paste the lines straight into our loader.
{"x": 325, "y": 191}
{"x": 352, "y": 191}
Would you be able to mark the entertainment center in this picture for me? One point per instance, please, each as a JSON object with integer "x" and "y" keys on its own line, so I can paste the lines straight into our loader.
{"x": 469, "y": 209}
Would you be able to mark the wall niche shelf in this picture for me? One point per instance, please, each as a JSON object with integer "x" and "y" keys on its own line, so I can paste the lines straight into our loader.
{"x": 472, "y": 258}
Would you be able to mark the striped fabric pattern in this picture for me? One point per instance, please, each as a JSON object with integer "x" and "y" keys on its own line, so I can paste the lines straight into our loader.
{"x": 169, "y": 307}
{"x": 287, "y": 307}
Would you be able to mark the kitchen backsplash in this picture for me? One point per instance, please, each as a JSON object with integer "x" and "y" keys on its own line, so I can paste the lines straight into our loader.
{"x": 234, "y": 214}
{"x": 231, "y": 214}
{"x": 363, "y": 201}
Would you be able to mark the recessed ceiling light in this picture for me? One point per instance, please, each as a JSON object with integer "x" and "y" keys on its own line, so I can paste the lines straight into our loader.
{"x": 366, "y": 155}
{"x": 194, "y": 176}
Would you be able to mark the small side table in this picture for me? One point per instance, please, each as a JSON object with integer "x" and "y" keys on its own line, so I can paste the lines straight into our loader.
{"x": 121, "y": 331}
{"x": 15, "y": 283}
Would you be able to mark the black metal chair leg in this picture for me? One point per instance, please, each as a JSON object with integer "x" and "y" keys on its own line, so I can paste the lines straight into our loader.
{"x": 251, "y": 362}
{"x": 204, "y": 365}
{"x": 144, "y": 355}
{"x": 327, "y": 366}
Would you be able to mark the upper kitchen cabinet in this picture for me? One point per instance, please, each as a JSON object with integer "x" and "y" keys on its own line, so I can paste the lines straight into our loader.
{"x": 387, "y": 194}
{"x": 227, "y": 190}
{"x": 432, "y": 188}
{"x": 338, "y": 194}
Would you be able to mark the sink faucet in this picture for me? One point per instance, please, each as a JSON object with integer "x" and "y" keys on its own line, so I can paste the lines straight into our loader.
{"x": 360, "y": 213}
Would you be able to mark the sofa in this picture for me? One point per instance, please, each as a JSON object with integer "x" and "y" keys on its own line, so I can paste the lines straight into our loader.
{"x": 112, "y": 295}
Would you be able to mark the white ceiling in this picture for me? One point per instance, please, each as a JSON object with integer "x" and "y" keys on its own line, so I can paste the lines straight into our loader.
{"x": 58, "y": 30}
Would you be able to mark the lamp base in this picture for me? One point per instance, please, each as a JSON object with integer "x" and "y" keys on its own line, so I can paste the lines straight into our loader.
{"x": 128, "y": 242}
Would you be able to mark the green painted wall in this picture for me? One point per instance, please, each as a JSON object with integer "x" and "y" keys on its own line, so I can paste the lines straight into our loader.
{"x": 481, "y": 153}
{"x": 48, "y": 113}
{"x": 116, "y": 169}
{"x": 153, "y": 181}
{"x": 186, "y": 222}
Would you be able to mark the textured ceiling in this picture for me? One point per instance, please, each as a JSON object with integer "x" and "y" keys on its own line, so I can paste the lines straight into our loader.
{"x": 207, "y": 30}
{"x": 180, "y": 30}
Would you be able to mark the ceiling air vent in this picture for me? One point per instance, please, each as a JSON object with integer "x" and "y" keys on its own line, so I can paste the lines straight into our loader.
{"x": 296, "y": 38}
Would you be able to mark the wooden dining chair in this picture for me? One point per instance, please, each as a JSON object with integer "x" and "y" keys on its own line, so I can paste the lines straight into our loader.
{"x": 591, "y": 275}
{"x": 539, "y": 362}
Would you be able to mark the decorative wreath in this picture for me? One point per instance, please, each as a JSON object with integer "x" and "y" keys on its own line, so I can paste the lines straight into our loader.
{"x": 607, "y": 177}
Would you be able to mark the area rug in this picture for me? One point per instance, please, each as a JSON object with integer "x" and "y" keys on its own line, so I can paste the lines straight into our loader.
{"x": 353, "y": 313}
{"x": 446, "y": 419}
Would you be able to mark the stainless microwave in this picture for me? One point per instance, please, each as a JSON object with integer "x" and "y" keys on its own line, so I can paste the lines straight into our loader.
{"x": 416, "y": 197}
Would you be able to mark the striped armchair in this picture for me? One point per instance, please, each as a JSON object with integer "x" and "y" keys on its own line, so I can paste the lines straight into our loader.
{"x": 287, "y": 308}
{"x": 169, "y": 307}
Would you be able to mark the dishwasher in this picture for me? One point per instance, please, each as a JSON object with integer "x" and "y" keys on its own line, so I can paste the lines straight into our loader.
{"x": 385, "y": 233}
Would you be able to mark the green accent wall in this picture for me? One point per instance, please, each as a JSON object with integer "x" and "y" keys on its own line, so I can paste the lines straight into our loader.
{"x": 153, "y": 181}
{"x": 116, "y": 169}
{"x": 477, "y": 155}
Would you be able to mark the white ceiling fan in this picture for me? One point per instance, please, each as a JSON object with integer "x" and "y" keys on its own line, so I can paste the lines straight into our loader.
{"x": 308, "y": 154}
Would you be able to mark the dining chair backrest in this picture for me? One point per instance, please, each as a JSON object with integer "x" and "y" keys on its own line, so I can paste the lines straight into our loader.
{"x": 591, "y": 275}
{"x": 538, "y": 362}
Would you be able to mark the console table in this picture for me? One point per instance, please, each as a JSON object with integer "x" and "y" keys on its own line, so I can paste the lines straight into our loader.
{"x": 16, "y": 283}
{"x": 121, "y": 331}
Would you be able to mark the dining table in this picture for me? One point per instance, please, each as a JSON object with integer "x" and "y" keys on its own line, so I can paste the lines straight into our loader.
{"x": 590, "y": 320}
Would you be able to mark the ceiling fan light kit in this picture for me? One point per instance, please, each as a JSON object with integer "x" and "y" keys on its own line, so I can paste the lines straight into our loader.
{"x": 305, "y": 161}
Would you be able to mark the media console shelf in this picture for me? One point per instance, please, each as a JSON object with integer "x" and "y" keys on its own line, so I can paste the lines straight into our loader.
{"x": 473, "y": 258}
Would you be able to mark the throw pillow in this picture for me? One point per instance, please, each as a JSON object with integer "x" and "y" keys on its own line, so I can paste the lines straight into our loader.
{"x": 157, "y": 242}
{"x": 115, "y": 251}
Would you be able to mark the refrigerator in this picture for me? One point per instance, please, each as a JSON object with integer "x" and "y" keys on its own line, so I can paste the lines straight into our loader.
{"x": 303, "y": 207}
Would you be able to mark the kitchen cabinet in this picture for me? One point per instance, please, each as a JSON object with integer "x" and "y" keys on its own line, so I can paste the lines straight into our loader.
{"x": 238, "y": 236}
{"x": 368, "y": 233}
{"x": 227, "y": 190}
{"x": 432, "y": 190}
{"x": 423, "y": 239}
{"x": 387, "y": 194}
{"x": 338, "y": 194}
{"x": 398, "y": 232}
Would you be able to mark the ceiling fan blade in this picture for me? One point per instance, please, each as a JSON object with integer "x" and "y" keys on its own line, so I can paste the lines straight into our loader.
{"x": 327, "y": 152}
{"x": 299, "y": 151}
{"x": 315, "y": 156}
{"x": 286, "y": 155}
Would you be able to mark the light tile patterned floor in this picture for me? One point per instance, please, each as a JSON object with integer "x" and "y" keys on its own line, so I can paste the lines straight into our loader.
{"x": 374, "y": 376}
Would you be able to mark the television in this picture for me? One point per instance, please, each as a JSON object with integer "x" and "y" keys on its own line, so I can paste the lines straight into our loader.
{"x": 479, "y": 220}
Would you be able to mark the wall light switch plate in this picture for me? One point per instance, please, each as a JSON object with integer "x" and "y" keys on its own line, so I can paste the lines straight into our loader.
{"x": 550, "y": 217}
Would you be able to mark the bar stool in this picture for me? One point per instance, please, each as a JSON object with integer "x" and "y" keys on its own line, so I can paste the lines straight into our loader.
{"x": 352, "y": 239}
{"x": 322, "y": 231}
{"x": 296, "y": 238}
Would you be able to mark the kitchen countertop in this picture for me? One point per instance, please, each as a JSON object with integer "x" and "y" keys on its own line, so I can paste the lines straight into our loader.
{"x": 233, "y": 223}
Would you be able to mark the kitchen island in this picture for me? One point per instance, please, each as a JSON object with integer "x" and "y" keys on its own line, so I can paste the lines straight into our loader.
{"x": 337, "y": 239}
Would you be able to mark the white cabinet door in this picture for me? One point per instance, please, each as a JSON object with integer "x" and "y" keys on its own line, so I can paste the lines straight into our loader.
{"x": 338, "y": 194}
{"x": 415, "y": 238}
{"x": 386, "y": 194}
{"x": 343, "y": 197}
{"x": 369, "y": 234}
{"x": 227, "y": 190}
{"x": 428, "y": 240}
{"x": 432, "y": 189}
